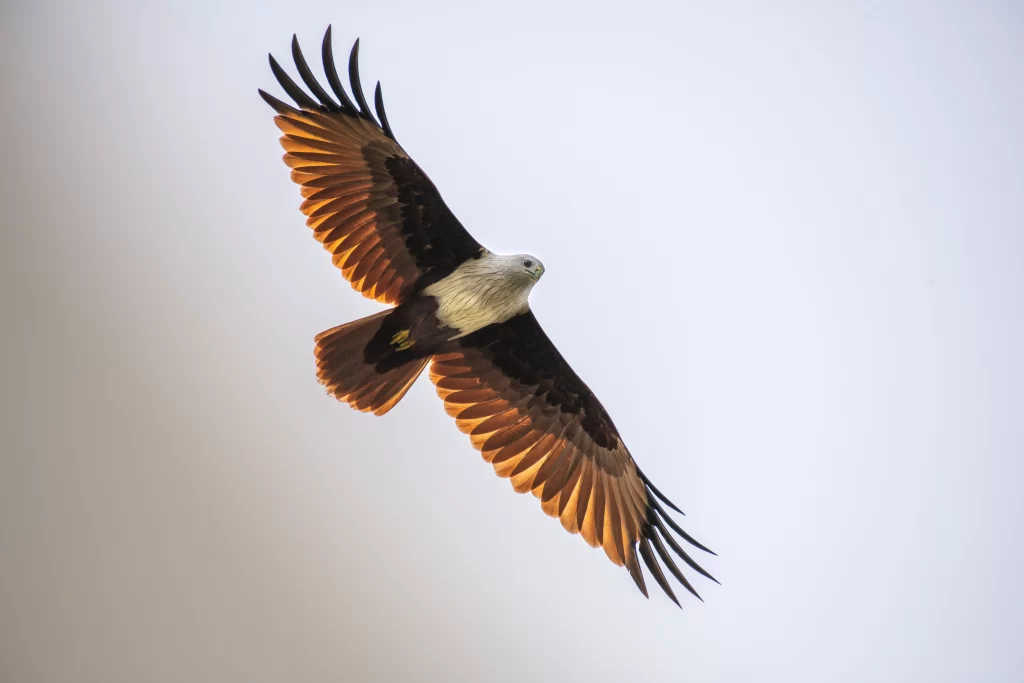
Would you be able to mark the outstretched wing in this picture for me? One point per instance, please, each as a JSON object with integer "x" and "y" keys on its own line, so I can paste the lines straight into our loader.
{"x": 538, "y": 424}
{"x": 368, "y": 203}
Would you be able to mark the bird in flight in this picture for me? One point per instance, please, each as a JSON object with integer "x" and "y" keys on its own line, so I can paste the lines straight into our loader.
{"x": 465, "y": 311}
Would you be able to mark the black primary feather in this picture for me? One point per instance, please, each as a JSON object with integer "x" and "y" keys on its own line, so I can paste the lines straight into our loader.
{"x": 667, "y": 559}
{"x": 327, "y": 54}
{"x": 378, "y": 101}
{"x": 633, "y": 566}
{"x": 357, "y": 88}
{"x": 674, "y": 544}
{"x": 658, "y": 493}
{"x": 309, "y": 79}
{"x": 279, "y": 106}
{"x": 293, "y": 90}
{"x": 675, "y": 527}
{"x": 652, "y": 564}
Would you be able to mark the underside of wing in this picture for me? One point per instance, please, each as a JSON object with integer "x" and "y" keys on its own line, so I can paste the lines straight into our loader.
{"x": 539, "y": 425}
{"x": 368, "y": 203}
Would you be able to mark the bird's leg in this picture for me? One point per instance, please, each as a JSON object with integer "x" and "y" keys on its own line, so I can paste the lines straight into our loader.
{"x": 401, "y": 340}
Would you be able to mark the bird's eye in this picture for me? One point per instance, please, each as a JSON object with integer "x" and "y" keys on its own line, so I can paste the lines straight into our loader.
{"x": 528, "y": 263}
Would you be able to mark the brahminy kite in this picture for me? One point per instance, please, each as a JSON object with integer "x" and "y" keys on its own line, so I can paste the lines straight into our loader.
{"x": 464, "y": 310}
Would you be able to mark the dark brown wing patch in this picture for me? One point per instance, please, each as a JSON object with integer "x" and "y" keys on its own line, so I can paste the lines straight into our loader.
{"x": 367, "y": 202}
{"x": 539, "y": 425}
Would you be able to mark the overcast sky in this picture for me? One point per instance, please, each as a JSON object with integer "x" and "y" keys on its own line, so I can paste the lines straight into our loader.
{"x": 784, "y": 246}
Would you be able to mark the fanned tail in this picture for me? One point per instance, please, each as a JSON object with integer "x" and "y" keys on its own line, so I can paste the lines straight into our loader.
{"x": 341, "y": 366}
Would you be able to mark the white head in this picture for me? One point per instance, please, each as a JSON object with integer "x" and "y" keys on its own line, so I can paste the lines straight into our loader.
{"x": 518, "y": 268}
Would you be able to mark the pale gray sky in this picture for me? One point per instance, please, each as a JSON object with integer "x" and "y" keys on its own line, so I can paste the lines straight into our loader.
{"x": 784, "y": 246}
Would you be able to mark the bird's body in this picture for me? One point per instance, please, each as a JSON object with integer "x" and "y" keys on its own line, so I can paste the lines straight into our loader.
{"x": 464, "y": 310}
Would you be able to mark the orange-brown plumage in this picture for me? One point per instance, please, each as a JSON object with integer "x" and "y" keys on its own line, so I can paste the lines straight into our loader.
{"x": 499, "y": 376}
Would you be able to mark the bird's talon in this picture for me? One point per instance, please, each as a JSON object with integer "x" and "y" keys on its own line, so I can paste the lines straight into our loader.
{"x": 401, "y": 340}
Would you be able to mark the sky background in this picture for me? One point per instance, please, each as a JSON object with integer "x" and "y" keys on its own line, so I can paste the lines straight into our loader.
{"x": 785, "y": 247}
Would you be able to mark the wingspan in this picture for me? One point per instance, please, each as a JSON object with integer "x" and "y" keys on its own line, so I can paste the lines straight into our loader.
{"x": 539, "y": 425}
{"x": 368, "y": 203}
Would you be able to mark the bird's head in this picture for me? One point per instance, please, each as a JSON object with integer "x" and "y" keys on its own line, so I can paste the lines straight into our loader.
{"x": 514, "y": 274}
{"x": 529, "y": 266}
{"x": 521, "y": 269}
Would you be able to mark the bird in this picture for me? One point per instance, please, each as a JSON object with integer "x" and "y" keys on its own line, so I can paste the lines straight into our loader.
{"x": 464, "y": 311}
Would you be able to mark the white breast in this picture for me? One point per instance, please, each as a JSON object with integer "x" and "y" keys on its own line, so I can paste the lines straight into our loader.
{"x": 479, "y": 293}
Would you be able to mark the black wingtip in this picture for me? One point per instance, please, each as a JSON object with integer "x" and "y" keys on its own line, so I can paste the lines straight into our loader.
{"x": 378, "y": 102}
{"x": 278, "y": 106}
{"x": 633, "y": 567}
{"x": 294, "y": 91}
{"x": 656, "y": 492}
{"x": 678, "y": 549}
{"x": 309, "y": 79}
{"x": 659, "y": 576}
{"x": 357, "y": 88}
{"x": 659, "y": 547}
{"x": 679, "y": 530}
{"x": 331, "y": 70}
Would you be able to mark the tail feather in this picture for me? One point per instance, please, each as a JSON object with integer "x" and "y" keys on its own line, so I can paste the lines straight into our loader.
{"x": 342, "y": 368}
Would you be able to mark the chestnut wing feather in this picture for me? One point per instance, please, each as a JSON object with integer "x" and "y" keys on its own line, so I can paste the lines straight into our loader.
{"x": 378, "y": 214}
{"x": 540, "y": 425}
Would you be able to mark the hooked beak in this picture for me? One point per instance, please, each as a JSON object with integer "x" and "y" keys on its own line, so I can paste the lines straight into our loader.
{"x": 537, "y": 272}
